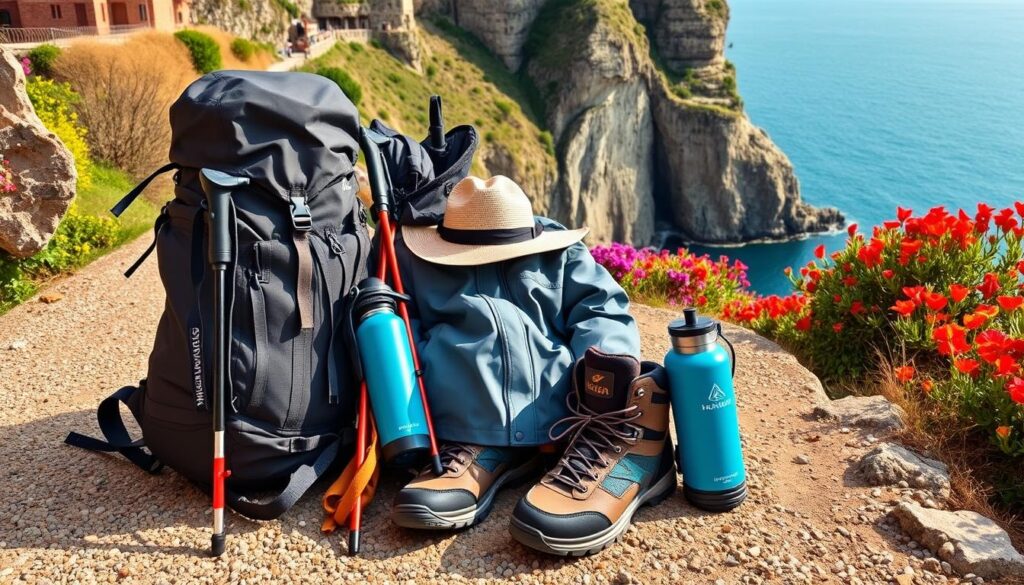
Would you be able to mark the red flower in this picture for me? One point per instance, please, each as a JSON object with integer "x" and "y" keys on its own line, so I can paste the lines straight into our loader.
{"x": 871, "y": 253}
{"x": 888, "y": 273}
{"x": 927, "y": 386}
{"x": 851, "y": 229}
{"x": 1016, "y": 390}
{"x": 1006, "y": 220}
{"x": 837, "y": 327}
{"x": 908, "y": 249}
{"x": 903, "y": 214}
{"x": 803, "y": 323}
{"x": 982, "y": 218}
{"x": 905, "y": 308}
{"x": 1006, "y": 365}
{"x": 1010, "y": 303}
{"x": 820, "y": 251}
{"x": 905, "y": 373}
{"x": 1019, "y": 207}
{"x": 992, "y": 344}
{"x": 935, "y": 301}
{"x": 967, "y": 366}
{"x": 1020, "y": 267}
{"x": 857, "y": 308}
{"x": 989, "y": 311}
{"x": 950, "y": 339}
{"x": 975, "y": 321}
{"x": 958, "y": 292}
{"x": 850, "y": 281}
{"x": 989, "y": 286}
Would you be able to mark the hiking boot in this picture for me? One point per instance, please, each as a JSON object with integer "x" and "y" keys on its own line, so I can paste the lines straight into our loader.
{"x": 464, "y": 493}
{"x": 619, "y": 458}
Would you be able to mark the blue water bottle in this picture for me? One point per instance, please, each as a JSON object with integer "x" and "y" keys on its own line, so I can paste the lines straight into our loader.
{"x": 700, "y": 375}
{"x": 384, "y": 359}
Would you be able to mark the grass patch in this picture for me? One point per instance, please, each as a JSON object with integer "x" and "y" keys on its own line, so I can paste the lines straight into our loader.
{"x": 476, "y": 87}
{"x": 86, "y": 233}
{"x": 562, "y": 28}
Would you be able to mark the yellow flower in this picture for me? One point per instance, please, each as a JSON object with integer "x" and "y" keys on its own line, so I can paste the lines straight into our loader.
{"x": 1003, "y": 431}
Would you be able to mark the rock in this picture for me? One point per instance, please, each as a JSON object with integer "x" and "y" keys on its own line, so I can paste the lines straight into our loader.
{"x": 802, "y": 460}
{"x": 44, "y": 170}
{"x": 599, "y": 111}
{"x": 889, "y": 463}
{"x": 50, "y": 298}
{"x": 502, "y": 26}
{"x": 687, "y": 33}
{"x": 904, "y": 579}
{"x": 873, "y": 412}
{"x": 979, "y": 545}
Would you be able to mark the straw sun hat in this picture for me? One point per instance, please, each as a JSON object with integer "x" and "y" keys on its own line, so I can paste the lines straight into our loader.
{"x": 486, "y": 221}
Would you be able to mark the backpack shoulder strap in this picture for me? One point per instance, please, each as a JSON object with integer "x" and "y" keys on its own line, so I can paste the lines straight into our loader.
{"x": 108, "y": 415}
{"x": 299, "y": 482}
{"x": 132, "y": 195}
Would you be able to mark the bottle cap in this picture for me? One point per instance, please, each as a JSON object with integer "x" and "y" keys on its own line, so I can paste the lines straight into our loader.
{"x": 692, "y": 324}
{"x": 373, "y": 294}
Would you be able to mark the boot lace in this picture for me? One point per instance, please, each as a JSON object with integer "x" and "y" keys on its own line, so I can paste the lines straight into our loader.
{"x": 593, "y": 434}
{"x": 453, "y": 456}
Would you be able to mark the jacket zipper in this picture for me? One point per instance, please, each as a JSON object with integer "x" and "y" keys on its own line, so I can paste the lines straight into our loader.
{"x": 505, "y": 358}
{"x": 503, "y": 275}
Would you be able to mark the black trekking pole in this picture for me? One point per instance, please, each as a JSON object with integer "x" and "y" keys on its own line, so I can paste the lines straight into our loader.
{"x": 436, "y": 130}
{"x": 218, "y": 186}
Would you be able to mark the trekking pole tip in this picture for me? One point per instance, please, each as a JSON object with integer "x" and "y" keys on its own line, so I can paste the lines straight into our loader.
{"x": 353, "y": 543}
{"x": 435, "y": 461}
{"x": 217, "y": 544}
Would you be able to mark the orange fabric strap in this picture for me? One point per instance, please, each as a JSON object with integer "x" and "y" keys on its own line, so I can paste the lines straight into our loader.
{"x": 354, "y": 482}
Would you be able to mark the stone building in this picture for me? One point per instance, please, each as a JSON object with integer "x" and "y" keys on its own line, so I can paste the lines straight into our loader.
{"x": 98, "y": 14}
{"x": 376, "y": 16}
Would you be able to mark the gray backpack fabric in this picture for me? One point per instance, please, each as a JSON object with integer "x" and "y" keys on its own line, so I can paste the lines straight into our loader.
{"x": 301, "y": 243}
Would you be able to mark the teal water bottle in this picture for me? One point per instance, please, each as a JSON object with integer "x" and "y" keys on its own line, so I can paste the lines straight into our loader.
{"x": 700, "y": 375}
{"x": 385, "y": 360}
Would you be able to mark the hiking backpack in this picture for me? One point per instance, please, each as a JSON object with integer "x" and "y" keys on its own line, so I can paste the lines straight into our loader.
{"x": 300, "y": 244}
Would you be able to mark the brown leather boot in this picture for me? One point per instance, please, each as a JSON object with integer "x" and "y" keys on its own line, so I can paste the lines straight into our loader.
{"x": 619, "y": 458}
{"x": 464, "y": 493}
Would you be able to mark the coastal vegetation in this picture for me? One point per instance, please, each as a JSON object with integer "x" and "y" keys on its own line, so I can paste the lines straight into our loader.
{"x": 925, "y": 309}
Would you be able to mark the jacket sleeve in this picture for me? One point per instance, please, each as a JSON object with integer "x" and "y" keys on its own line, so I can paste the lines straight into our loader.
{"x": 596, "y": 307}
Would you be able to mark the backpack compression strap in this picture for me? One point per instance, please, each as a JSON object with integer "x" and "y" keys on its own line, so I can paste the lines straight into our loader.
{"x": 108, "y": 415}
{"x": 132, "y": 195}
{"x": 299, "y": 482}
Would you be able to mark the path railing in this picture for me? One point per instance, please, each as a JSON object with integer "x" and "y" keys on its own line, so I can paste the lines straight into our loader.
{"x": 12, "y": 35}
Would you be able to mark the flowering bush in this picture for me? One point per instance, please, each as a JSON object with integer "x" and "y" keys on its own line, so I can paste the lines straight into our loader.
{"x": 940, "y": 293}
{"x": 657, "y": 277}
{"x": 7, "y": 184}
{"x": 54, "y": 103}
{"x": 26, "y": 66}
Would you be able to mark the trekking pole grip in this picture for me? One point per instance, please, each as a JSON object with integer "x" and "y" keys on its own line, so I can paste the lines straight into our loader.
{"x": 218, "y": 186}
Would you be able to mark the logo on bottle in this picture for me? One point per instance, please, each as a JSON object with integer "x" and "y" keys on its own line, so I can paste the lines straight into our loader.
{"x": 716, "y": 399}
{"x": 599, "y": 383}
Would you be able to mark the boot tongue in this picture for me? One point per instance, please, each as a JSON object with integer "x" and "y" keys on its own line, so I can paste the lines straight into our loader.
{"x": 606, "y": 380}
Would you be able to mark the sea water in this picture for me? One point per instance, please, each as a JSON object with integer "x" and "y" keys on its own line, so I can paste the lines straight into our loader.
{"x": 880, "y": 103}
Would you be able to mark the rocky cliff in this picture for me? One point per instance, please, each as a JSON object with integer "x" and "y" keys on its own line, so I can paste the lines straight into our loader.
{"x": 647, "y": 137}
{"x": 261, "y": 20}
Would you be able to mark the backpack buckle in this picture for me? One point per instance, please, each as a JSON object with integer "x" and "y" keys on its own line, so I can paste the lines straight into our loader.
{"x": 302, "y": 219}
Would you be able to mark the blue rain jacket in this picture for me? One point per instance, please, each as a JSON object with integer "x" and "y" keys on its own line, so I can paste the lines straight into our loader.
{"x": 497, "y": 342}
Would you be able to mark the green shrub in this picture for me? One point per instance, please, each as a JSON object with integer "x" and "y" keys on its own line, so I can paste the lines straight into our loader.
{"x": 290, "y": 7}
{"x": 356, "y": 47}
{"x": 504, "y": 106}
{"x": 348, "y": 85}
{"x": 203, "y": 49}
{"x": 54, "y": 103}
{"x": 682, "y": 90}
{"x": 42, "y": 59}
{"x": 383, "y": 115}
{"x": 244, "y": 49}
{"x": 431, "y": 70}
{"x": 548, "y": 141}
{"x": 489, "y": 136}
{"x": 394, "y": 78}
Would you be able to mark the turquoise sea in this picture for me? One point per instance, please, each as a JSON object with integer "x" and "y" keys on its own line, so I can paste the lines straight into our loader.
{"x": 880, "y": 103}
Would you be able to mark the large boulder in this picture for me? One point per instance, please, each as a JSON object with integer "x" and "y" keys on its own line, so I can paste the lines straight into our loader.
{"x": 889, "y": 464}
{"x": 870, "y": 412}
{"x": 968, "y": 541}
{"x": 44, "y": 170}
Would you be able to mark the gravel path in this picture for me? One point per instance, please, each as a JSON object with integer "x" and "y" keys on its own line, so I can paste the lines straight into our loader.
{"x": 71, "y": 516}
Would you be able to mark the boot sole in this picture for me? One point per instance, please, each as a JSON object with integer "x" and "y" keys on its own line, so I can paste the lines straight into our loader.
{"x": 421, "y": 517}
{"x": 593, "y": 543}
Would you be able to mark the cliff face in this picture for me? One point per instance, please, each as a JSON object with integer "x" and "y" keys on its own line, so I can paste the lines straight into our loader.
{"x": 598, "y": 107}
{"x": 639, "y": 140}
{"x": 262, "y": 20}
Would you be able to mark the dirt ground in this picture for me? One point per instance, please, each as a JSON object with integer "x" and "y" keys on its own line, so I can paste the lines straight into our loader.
{"x": 72, "y": 516}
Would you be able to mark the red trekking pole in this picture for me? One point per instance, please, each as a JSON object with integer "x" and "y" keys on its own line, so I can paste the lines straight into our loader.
{"x": 387, "y": 265}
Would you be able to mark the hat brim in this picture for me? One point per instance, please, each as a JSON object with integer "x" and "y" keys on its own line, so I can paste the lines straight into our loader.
{"x": 426, "y": 243}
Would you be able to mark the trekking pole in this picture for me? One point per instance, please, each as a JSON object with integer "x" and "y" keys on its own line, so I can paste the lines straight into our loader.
{"x": 381, "y": 192}
{"x": 218, "y": 186}
{"x": 437, "y": 139}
